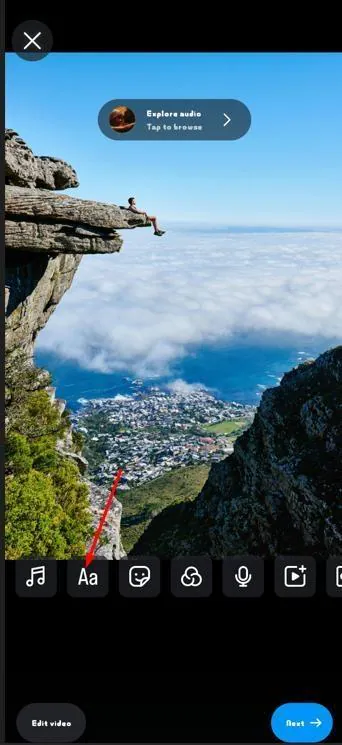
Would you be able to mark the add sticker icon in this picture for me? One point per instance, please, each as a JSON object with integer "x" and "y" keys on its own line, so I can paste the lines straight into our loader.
{"x": 139, "y": 576}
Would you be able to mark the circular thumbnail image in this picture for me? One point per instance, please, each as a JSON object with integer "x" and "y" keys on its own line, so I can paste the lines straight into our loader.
{"x": 122, "y": 119}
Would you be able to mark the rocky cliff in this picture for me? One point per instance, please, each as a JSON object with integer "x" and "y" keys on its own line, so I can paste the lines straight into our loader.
{"x": 280, "y": 492}
{"x": 46, "y": 235}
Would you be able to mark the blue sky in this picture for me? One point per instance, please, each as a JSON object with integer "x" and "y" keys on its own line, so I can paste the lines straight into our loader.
{"x": 285, "y": 172}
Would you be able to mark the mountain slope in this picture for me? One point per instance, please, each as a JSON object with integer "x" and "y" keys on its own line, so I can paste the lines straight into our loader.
{"x": 281, "y": 489}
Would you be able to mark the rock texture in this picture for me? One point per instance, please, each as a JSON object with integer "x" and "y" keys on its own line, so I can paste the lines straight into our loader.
{"x": 22, "y": 168}
{"x": 35, "y": 284}
{"x": 110, "y": 546}
{"x": 281, "y": 490}
{"x": 44, "y": 222}
{"x": 46, "y": 235}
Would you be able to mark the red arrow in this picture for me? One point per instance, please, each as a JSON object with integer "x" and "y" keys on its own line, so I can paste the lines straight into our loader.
{"x": 90, "y": 554}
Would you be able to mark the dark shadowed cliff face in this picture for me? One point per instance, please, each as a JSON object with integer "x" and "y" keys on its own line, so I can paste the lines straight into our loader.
{"x": 281, "y": 490}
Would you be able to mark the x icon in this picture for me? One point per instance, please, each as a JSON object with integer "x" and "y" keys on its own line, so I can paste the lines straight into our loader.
{"x": 32, "y": 40}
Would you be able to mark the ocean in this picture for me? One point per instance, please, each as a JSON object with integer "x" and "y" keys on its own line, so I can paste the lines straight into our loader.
{"x": 238, "y": 372}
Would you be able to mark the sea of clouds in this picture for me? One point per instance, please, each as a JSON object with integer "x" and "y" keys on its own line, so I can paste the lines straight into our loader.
{"x": 147, "y": 306}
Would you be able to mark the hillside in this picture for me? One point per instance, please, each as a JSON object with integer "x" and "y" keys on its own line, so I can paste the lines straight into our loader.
{"x": 280, "y": 492}
{"x": 142, "y": 504}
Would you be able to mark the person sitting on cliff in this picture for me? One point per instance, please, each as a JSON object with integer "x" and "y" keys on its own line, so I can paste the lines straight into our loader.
{"x": 133, "y": 208}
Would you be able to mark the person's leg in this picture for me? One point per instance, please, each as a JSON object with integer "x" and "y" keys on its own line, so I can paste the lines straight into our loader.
{"x": 153, "y": 220}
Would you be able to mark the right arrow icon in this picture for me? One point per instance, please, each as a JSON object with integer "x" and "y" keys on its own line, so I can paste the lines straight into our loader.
{"x": 317, "y": 722}
{"x": 228, "y": 119}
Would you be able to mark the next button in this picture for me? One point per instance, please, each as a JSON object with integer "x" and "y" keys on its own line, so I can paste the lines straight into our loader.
{"x": 301, "y": 722}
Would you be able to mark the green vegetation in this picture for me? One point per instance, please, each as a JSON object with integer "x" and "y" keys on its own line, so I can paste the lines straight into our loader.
{"x": 95, "y": 452}
{"x": 227, "y": 427}
{"x": 140, "y": 505}
{"x": 47, "y": 508}
{"x": 78, "y": 440}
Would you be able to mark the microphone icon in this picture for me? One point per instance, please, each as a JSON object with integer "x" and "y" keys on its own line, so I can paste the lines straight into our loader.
{"x": 243, "y": 576}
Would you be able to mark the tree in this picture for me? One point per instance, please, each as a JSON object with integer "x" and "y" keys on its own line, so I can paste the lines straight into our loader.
{"x": 38, "y": 417}
{"x": 33, "y": 518}
{"x": 44, "y": 454}
{"x": 47, "y": 504}
{"x": 78, "y": 440}
{"x": 73, "y": 496}
{"x": 22, "y": 378}
{"x": 17, "y": 454}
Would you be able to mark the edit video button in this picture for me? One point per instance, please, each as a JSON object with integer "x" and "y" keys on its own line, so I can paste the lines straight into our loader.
{"x": 301, "y": 722}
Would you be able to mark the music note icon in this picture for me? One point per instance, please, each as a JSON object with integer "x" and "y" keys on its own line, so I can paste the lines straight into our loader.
{"x": 37, "y": 575}
{"x": 36, "y": 578}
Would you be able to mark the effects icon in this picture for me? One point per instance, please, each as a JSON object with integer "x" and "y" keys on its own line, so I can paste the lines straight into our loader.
{"x": 191, "y": 577}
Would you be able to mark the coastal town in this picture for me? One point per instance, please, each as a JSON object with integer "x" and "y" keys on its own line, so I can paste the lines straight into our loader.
{"x": 152, "y": 431}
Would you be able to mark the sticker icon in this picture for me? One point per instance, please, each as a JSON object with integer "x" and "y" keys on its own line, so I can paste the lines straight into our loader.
{"x": 139, "y": 575}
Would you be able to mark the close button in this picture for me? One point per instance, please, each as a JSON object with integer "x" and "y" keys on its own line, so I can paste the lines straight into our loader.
{"x": 61, "y": 722}
{"x": 32, "y": 40}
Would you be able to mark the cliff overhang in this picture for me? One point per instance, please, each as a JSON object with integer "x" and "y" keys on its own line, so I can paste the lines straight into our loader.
{"x": 46, "y": 235}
